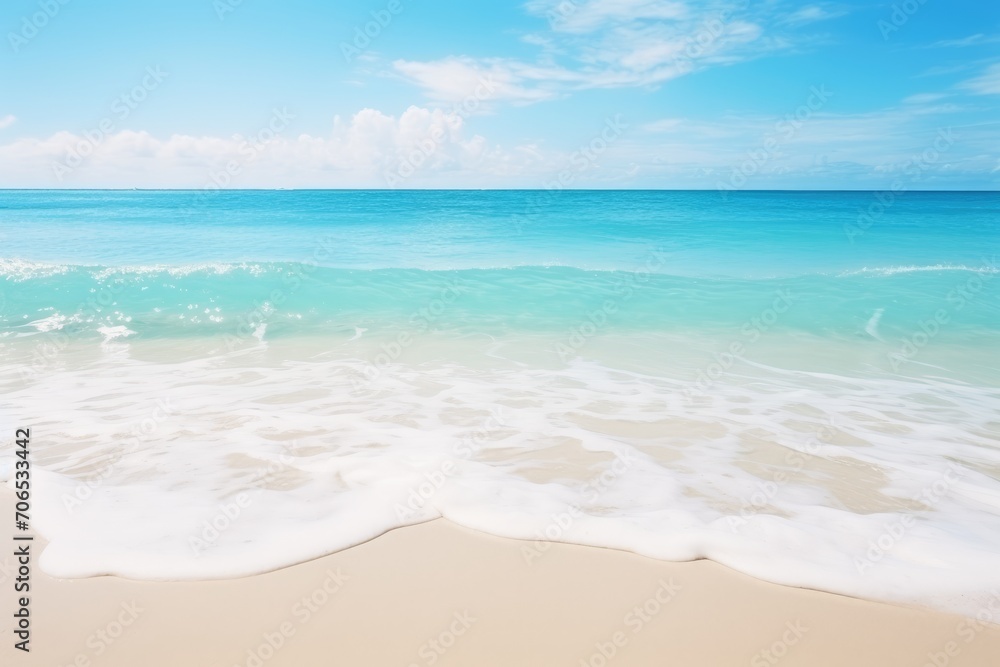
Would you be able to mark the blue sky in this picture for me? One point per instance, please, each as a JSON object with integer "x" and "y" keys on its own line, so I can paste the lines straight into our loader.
{"x": 547, "y": 93}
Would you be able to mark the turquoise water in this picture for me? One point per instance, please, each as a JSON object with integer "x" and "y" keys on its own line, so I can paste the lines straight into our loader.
{"x": 746, "y": 235}
{"x": 181, "y": 263}
{"x": 804, "y": 386}
{"x": 296, "y": 299}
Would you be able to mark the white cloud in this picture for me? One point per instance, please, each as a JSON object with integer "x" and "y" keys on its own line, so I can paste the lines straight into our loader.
{"x": 988, "y": 83}
{"x": 812, "y": 14}
{"x": 694, "y": 132}
{"x": 584, "y": 16}
{"x": 7, "y": 121}
{"x": 664, "y": 125}
{"x": 822, "y": 148}
{"x": 367, "y": 150}
{"x": 430, "y": 147}
{"x": 971, "y": 40}
{"x": 470, "y": 83}
{"x": 656, "y": 53}
{"x": 924, "y": 98}
{"x": 613, "y": 44}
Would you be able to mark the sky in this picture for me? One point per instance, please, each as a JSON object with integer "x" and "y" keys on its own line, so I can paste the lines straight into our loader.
{"x": 674, "y": 94}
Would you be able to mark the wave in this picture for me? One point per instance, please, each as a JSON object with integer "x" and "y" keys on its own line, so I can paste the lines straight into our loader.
{"x": 876, "y": 487}
{"x": 17, "y": 270}
{"x": 987, "y": 268}
{"x": 291, "y": 299}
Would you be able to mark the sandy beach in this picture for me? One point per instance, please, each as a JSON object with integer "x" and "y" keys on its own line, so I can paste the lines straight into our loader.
{"x": 438, "y": 594}
{"x": 582, "y": 333}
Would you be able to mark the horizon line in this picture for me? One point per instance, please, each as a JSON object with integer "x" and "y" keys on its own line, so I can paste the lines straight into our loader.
{"x": 553, "y": 190}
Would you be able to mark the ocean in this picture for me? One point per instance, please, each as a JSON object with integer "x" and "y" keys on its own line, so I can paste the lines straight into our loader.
{"x": 804, "y": 386}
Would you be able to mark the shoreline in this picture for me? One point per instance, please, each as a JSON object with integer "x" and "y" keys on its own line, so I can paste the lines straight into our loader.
{"x": 439, "y": 594}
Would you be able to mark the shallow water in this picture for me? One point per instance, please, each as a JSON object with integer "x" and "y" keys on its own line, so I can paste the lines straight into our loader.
{"x": 221, "y": 385}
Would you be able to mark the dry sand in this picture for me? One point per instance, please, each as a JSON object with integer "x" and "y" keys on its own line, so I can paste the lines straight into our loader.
{"x": 438, "y": 594}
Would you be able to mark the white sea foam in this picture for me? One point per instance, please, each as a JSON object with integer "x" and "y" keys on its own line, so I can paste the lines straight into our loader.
{"x": 176, "y": 271}
{"x": 53, "y": 322}
{"x": 873, "y": 486}
{"x": 987, "y": 268}
{"x": 112, "y": 333}
{"x": 18, "y": 270}
{"x": 872, "y": 327}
